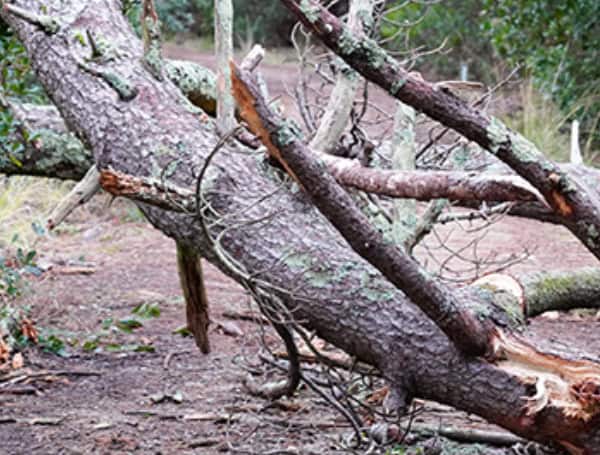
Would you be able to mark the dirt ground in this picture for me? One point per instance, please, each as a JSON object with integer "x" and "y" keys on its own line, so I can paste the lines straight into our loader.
{"x": 151, "y": 391}
{"x": 174, "y": 399}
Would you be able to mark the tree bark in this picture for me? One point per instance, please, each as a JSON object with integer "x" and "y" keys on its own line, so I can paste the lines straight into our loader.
{"x": 282, "y": 239}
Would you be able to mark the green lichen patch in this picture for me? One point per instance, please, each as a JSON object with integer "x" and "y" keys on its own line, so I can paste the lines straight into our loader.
{"x": 61, "y": 148}
{"x": 397, "y": 85}
{"x": 153, "y": 61}
{"x": 287, "y": 133}
{"x": 197, "y": 83}
{"x": 79, "y": 37}
{"x": 367, "y": 19}
{"x": 498, "y": 134}
{"x": 375, "y": 55}
{"x": 347, "y": 43}
{"x": 345, "y": 270}
{"x": 312, "y": 269}
{"x": 310, "y": 11}
{"x": 592, "y": 235}
{"x": 525, "y": 150}
{"x": 102, "y": 49}
{"x": 348, "y": 71}
{"x": 126, "y": 90}
{"x": 374, "y": 288}
{"x": 49, "y": 24}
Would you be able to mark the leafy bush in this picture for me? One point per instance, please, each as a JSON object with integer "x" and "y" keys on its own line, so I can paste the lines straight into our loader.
{"x": 13, "y": 267}
{"x": 255, "y": 21}
{"x": 455, "y": 22}
{"x": 176, "y": 16}
{"x": 16, "y": 80}
{"x": 16, "y": 77}
{"x": 559, "y": 42}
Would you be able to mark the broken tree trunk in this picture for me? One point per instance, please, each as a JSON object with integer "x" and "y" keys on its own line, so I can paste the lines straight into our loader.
{"x": 282, "y": 239}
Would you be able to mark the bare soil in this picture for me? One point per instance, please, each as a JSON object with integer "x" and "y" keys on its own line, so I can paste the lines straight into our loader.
{"x": 174, "y": 399}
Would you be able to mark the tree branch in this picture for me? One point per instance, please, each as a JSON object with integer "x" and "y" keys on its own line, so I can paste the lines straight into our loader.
{"x": 460, "y": 325}
{"x": 571, "y": 198}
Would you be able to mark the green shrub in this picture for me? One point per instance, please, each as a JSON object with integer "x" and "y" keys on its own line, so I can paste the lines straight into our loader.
{"x": 559, "y": 43}
{"x": 455, "y": 22}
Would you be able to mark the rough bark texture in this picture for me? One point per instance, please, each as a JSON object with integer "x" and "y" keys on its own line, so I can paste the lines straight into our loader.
{"x": 574, "y": 199}
{"x": 437, "y": 301}
{"x": 335, "y": 292}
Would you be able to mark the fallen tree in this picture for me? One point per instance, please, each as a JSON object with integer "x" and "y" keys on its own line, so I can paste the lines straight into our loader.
{"x": 375, "y": 302}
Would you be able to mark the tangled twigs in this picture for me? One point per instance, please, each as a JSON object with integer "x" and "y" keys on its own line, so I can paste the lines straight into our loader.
{"x": 262, "y": 297}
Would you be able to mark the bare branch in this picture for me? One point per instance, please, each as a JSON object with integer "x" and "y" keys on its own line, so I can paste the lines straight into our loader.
{"x": 337, "y": 112}
{"x": 85, "y": 189}
{"x": 571, "y": 198}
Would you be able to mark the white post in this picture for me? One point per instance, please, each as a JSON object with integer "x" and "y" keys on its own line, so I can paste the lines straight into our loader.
{"x": 464, "y": 71}
{"x": 576, "y": 157}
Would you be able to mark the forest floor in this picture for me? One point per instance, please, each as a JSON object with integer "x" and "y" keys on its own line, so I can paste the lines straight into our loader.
{"x": 147, "y": 389}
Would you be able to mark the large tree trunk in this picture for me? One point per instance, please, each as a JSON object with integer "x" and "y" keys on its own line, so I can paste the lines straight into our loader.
{"x": 283, "y": 240}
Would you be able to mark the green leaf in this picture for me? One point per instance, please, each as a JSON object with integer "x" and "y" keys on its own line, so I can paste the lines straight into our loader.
{"x": 54, "y": 345}
{"x": 128, "y": 325}
{"x": 147, "y": 310}
{"x": 15, "y": 161}
{"x": 145, "y": 348}
{"x": 183, "y": 331}
{"x": 106, "y": 323}
{"x": 90, "y": 345}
